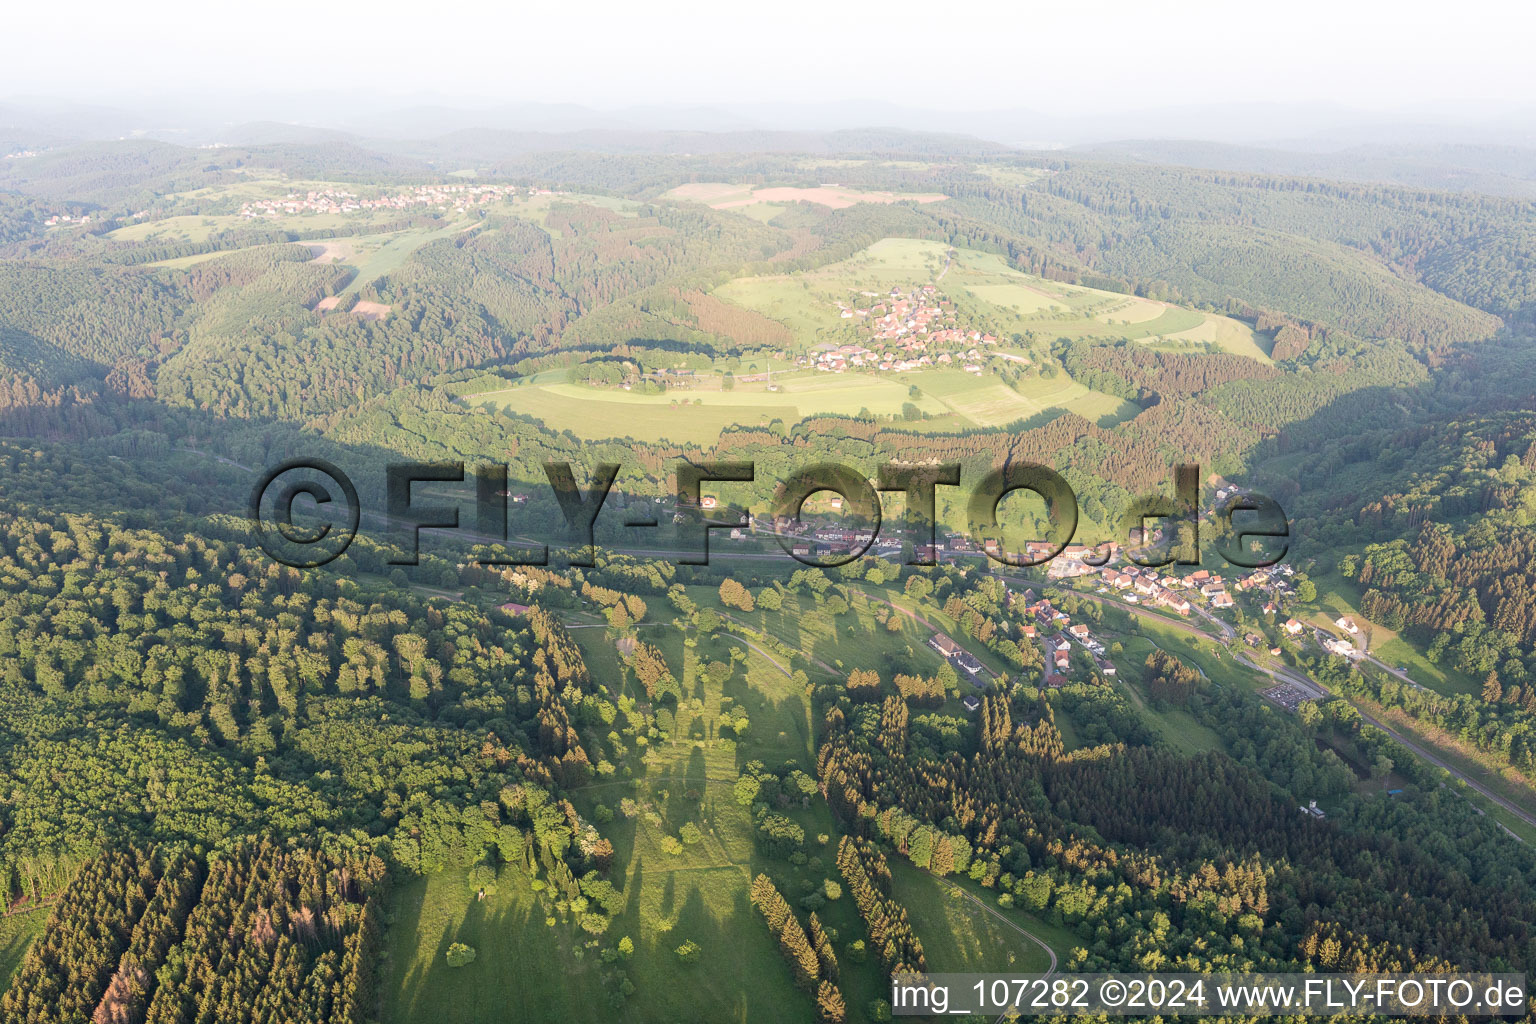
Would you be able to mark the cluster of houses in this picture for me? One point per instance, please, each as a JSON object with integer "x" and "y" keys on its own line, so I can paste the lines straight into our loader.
{"x": 1164, "y": 590}
{"x": 842, "y": 358}
{"x": 907, "y": 327}
{"x": 1332, "y": 644}
{"x": 458, "y": 198}
{"x": 828, "y": 541}
{"x": 64, "y": 218}
{"x": 958, "y": 656}
{"x": 1273, "y": 583}
{"x": 1049, "y": 619}
{"x": 811, "y": 539}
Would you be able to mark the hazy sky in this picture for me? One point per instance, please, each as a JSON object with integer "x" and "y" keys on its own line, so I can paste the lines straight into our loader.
{"x": 1063, "y": 57}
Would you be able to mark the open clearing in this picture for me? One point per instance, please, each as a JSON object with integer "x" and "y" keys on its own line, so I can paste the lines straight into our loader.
{"x": 1133, "y": 310}
{"x": 723, "y": 196}
{"x": 381, "y": 259}
{"x": 17, "y": 933}
{"x": 983, "y": 288}
{"x": 700, "y": 415}
{"x": 957, "y": 935}
{"x": 986, "y": 289}
{"x": 1225, "y": 333}
{"x": 698, "y": 894}
{"x": 955, "y": 399}
{"x": 997, "y": 405}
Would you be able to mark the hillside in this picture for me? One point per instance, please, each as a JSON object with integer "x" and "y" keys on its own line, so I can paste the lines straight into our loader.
{"x": 473, "y": 786}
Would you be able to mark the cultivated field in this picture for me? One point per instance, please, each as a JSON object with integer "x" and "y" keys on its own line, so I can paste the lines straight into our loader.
{"x": 956, "y": 400}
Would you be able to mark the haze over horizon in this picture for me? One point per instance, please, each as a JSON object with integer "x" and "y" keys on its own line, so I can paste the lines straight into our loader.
{"x": 1035, "y": 78}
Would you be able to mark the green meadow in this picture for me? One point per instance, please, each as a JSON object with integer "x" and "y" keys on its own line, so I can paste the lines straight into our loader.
{"x": 983, "y": 285}
{"x": 699, "y": 894}
{"x": 17, "y": 932}
{"x": 986, "y": 291}
{"x": 1176, "y": 724}
{"x": 953, "y": 399}
{"x": 698, "y": 415}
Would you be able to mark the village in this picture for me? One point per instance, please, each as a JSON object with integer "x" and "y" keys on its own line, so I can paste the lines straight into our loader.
{"x": 457, "y": 198}
{"x": 909, "y": 330}
{"x": 1106, "y": 569}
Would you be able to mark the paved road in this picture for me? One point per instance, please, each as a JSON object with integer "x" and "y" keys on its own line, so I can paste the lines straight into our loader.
{"x": 1284, "y": 673}
{"x": 1317, "y": 691}
{"x": 1392, "y": 671}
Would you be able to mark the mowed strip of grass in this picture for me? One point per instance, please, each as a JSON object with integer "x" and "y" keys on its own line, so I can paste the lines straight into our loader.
{"x": 392, "y": 254}
{"x": 988, "y": 403}
{"x": 1222, "y": 331}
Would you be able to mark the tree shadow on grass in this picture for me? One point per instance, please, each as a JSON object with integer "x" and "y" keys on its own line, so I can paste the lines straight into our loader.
{"x": 523, "y": 969}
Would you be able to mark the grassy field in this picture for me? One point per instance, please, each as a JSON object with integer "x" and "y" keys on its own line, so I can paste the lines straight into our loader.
{"x": 700, "y": 894}
{"x": 1205, "y": 655}
{"x": 16, "y": 934}
{"x": 196, "y": 228}
{"x": 954, "y": 399}
{"x": 1175, "y": 724}
{"x": 508, "y": 931}
{"x": 1225, "y": 333}
{"x": 596, "y": 414}
{"x": 990, "y": 404}
{"x": 959, "y": 936}
{"x": 854, "y": 639}
{"x": 1070, "y": 739}
{"x": 525, "y": 968}
{"x": 982, "y": 285}
{"x": 377, "y": 255}
{"x": 1337, "y": 596}
{"x": 699, "y": 414}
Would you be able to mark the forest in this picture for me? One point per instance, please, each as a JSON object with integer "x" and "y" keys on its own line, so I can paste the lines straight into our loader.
{"x": 233, "y": 790}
